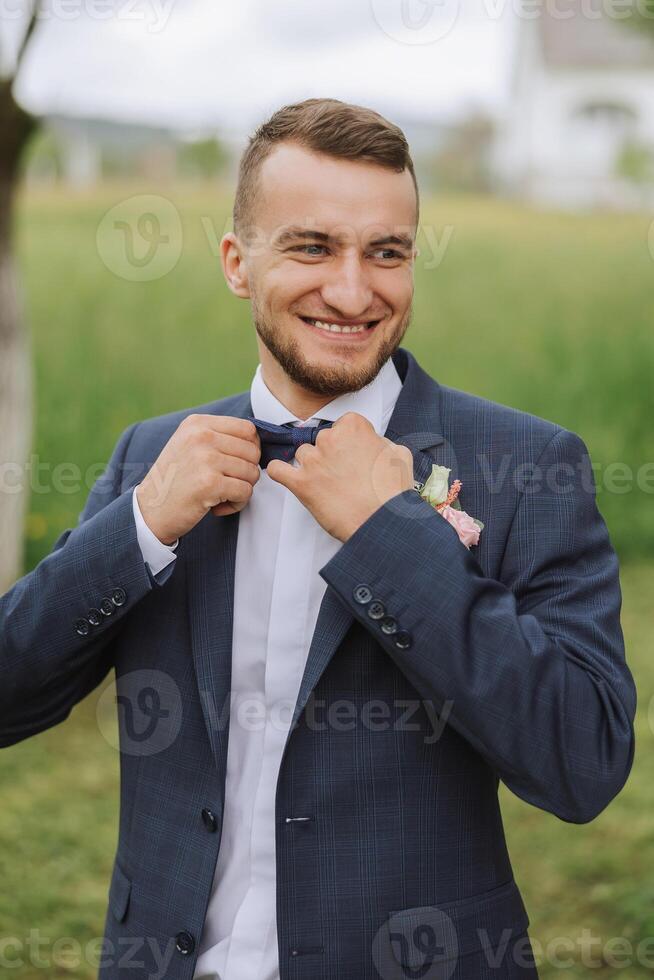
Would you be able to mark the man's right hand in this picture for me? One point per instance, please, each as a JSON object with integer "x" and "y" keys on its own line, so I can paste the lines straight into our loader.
{"x": 210, "y": 463}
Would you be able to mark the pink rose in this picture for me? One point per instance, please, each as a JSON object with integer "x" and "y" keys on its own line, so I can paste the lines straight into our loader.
{"x": 467, "y": 529}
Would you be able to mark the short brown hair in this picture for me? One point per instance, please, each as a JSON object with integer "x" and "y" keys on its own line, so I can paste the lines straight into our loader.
{"x": 329, "y": 126}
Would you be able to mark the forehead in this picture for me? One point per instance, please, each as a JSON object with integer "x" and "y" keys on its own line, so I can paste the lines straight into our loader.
{"x": 300, "y": 187}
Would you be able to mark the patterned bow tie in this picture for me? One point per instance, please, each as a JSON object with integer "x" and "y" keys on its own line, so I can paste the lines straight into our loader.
{"x": 281, "y": 441}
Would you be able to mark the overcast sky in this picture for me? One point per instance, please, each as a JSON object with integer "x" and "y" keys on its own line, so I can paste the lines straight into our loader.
{"x": 205, "y": 63}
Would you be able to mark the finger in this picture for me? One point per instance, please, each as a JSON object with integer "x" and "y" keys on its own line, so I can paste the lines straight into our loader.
{"x": 281, "y": 472}
{"x": 232, "y": 490}
{"x": 242, "y": 428}
{"x": 237, "y": 446}
{"x": 348, "y": 417}
{"x": 241, "y": 469}
{"x": 226, "y": 508}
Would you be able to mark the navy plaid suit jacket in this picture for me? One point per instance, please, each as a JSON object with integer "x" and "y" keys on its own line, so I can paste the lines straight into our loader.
{"x": 514, "y": 670}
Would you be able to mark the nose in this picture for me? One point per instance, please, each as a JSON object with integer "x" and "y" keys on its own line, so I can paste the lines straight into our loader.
{"x": 347, "y": 290}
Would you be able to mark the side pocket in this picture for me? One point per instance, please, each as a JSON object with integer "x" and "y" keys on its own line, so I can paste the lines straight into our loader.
{"x": 422, "y": 937}
{"x": 119, "y": 891}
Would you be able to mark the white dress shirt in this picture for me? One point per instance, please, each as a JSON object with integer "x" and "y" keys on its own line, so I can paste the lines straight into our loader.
{"x": 280, "y": 549}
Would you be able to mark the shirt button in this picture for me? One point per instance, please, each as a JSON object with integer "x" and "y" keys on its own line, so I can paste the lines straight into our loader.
{"x": 107, "y": 607}
{"x": 376, "y": 609}
{"x": 94, "y": 617}
{"x": 82, "y": 627}
{"x": 184, "y": 943}
{"x": 119, "y": 597}
{"x": 402, "y": 640}
{"x": 388, "y": 625}
{"x": 362, "y": 594}
{"x": 209, "y": 820}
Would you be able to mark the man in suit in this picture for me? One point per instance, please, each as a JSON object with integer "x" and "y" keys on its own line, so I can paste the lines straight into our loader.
{"x": 331, "y": 682}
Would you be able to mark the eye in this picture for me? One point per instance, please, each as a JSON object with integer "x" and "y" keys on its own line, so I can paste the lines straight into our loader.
{"x": 388, "y": 254}
{"x": 303, "y": 248}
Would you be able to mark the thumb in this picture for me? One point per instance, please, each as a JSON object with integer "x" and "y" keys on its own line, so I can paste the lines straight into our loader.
{"x": 282, "y": 472}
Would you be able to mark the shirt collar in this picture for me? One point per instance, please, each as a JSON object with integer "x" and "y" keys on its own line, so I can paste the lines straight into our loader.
{"x": 374, "y": 402}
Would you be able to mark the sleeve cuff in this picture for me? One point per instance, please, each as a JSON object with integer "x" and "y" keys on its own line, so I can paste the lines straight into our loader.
{"x": 156, "y": 555}
{"x": 380, "y": 571}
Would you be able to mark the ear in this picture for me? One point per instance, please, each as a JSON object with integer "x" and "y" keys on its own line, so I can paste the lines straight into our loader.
{"x": 234, "y": 263}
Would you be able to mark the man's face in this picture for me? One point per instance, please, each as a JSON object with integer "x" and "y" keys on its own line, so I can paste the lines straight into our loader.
{"x": 333, "y": 243}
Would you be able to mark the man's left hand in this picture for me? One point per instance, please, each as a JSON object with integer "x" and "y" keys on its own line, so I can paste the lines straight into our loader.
{"x": 349, "y": 473}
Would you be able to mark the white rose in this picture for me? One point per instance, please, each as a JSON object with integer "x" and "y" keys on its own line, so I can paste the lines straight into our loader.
{"x": 436, "y": 487}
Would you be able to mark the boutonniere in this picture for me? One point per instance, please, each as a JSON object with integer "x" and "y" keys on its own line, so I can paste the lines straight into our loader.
{"x": 445, "y": 500}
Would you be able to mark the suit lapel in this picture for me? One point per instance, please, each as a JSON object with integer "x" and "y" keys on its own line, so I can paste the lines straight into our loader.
{"x": 210, "y": 558}
{"x": 415, "y": 422}
{"x": 210, "y": 555}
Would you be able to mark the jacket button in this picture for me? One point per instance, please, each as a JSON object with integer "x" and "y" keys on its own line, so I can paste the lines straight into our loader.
{"x": 402, "y": 640}
{"x": 362, "y": 594}
{"x": 107, "y": 607}
{"x": 184, "y": 943}
{"x": 119, "y": 597}
{"x": 376, "y": 609}
{"x": 388, "y": 625}
{"x": 82, "y": 627}
{"x": 209, "y": 820}
{"x": 94, "y": 617}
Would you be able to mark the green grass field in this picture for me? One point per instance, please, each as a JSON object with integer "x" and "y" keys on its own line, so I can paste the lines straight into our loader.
{"x": 550, "y": 313}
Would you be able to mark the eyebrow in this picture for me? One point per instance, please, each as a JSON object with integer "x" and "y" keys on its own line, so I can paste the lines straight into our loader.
{"x": 293, "y": 234}
{"x": 296, "y": 233}
{"x": 405, "y": 241}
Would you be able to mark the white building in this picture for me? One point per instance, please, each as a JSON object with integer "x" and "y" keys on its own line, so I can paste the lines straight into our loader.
{"x": 582, "y": 90}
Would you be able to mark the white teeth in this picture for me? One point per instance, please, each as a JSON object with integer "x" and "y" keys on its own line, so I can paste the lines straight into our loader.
{"x": 335, "y": 328}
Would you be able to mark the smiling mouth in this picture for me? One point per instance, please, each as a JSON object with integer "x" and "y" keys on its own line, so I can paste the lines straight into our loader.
{"x": 338, "y": 329}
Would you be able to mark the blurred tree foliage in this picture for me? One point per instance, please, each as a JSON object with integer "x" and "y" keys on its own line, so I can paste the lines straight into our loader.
{"x": 17, "y": 127}
{"x": 636, "y": 162}
{"x": 43, "y": 156}
{"x": 462, "y": 162}
{"x": 202, "y": 158}
{"x": 639, "y": 13}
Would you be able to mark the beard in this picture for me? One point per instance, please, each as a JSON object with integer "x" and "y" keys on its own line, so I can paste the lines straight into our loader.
{"x": 332, "y": 381}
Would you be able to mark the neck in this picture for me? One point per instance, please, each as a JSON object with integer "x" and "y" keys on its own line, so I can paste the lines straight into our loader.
{"x": 302, "y": 403}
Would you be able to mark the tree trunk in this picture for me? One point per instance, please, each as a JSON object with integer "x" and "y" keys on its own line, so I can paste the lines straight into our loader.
{"x": 16, "y": 126}
{"x": 15, "y": 403}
